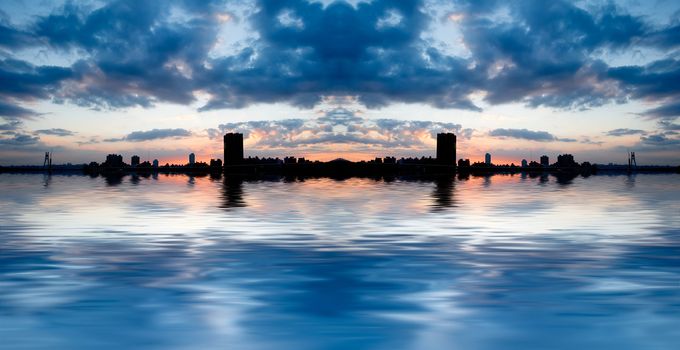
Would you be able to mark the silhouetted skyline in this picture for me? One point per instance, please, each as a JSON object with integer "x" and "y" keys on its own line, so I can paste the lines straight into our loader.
{"x": 339, "y": 79}
{"x": 235, "y": 163}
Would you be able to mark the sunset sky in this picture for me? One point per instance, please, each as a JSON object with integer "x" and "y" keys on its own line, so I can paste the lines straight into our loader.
{"x": 329, "y": 79}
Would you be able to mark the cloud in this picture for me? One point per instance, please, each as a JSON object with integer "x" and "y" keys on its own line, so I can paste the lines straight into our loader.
{"x": 11, "y": 125}
{"x": 668, "y": 110}
{"x": 624, "y": 132}
{"x": 541, "y": 136}
{"x": 55, "y": 132}
{"x": 341, "y": 126}
{"x": 660, "y": 140}
{"x": 10, "y": 110}
{"x": 22, "y": 81}
{"x": 19, "y": 140}
{"x": 154, "y": 134}
{"x": 139, "y": 53}
{"x": 589, "y": 141}
{"x": 668, "y": 125}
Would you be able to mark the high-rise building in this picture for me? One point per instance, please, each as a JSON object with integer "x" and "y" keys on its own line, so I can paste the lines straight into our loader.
{"x": 545, "y": 161}
{"x": 487, "y": 159}
{"x": 114, "y": 160}
{"x": 446, "y": 148}
{"x": 192, "y": 159}
{"x": 155, "y": 163}
{"x": 134, "y": 161}
{"x": 524, "y": 163}
{"x": 566, "y": 160}
{"x": 233, "y": 148}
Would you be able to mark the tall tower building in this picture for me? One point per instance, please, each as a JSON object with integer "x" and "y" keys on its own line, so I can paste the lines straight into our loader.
{"x": 134, "y": 161}
{"x": 487, "y": 159}
{"x": 446, "y": 148}
{"x": 192, "y": 159}
{"x": 233, "y": 148}
{"x": 545, "y": 161}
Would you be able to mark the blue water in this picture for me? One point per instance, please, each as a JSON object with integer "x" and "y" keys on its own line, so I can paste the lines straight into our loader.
{"x": 500, "y": 262}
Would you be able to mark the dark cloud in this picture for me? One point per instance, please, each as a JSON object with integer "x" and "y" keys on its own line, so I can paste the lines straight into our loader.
{"x": 340, "y": 49}
{"x": 138, "y": 53}
{"x": 22, "y": 81}
{"x": 624, "y": 132}
{"x": 668, "y": 125}
{"x": 55, "y": 132}
{"x": 667, "y": 38}
{"x": 10, "y": 110}
{"x": 11, "y": 125}
{"x": 669, "y": 110}
{"x": 661, "y": 140}
{"x": 341, "y": 126}
{"x": 155, "y": 134}
{"x": 19, "y": 140}
{"x": 12, "y": 38}
{"x": 656, "y": 81}
{"x": 541, "y": 136}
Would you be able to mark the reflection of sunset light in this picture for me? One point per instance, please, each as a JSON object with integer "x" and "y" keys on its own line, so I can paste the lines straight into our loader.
{"x": 456, "y": 17}
{"x": 223, "y": 17}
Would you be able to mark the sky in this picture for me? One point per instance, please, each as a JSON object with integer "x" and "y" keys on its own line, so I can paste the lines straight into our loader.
{"x": 329, "y": 79}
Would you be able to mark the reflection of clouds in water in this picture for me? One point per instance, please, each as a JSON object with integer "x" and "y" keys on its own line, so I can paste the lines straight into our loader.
{"x": 355, "y": 263}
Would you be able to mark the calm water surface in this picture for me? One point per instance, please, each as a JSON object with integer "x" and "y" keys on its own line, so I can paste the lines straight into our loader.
{"x": 501, "y": 262}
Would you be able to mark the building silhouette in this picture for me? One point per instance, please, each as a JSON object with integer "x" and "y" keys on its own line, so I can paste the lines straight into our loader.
{"x": 487, "y": 159}
{"x": 215, "y": 163}
{"x": 192, "y": 159}
{"x": 155, "y": 163}
{"x": 566, "y": 160}
{"x": 446, "y": 148}
{"x": 134, "y": 161}
{"x": 545, "y": 161}
{"x": 524, "y": 163}
{"x": 114, "y": 160}
{"x": 233, "y": 148}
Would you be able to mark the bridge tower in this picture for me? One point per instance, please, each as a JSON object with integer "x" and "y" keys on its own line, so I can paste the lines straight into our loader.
{"x": 631, "y": 161}
{"x": 47, "y": 163}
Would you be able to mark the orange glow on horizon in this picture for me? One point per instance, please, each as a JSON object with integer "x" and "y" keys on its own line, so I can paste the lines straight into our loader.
{"x": 328, "y": 156}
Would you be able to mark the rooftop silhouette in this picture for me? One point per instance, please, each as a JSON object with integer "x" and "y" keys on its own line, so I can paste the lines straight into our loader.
{"x": 444, "y": 163}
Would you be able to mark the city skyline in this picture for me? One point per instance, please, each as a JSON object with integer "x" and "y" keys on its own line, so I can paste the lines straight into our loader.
{"x": 162, "y": 80}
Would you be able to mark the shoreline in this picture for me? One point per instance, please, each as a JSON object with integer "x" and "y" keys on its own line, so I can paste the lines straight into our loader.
{"x": 343, "y": 170}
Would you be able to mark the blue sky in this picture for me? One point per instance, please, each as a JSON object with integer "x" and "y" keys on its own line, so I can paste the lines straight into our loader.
{"x": 324, "y": 79}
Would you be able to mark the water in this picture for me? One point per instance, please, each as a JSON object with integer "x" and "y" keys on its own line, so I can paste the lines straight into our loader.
{"x": 500, "y": 262}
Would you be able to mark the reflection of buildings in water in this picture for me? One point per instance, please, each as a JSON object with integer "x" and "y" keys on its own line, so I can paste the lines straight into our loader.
{"x": 134, "y": 179}
{"x": 232, "y": 192}
{"x": 47, "y": 179}
{"x": 487, "y": 180}
{"x": 191, "y": 181}
{"x": 565, "y": 179}
{"x": 630, "y": 181}
{"x": 443, "y": 193}
{"x": 113, "y": 179}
